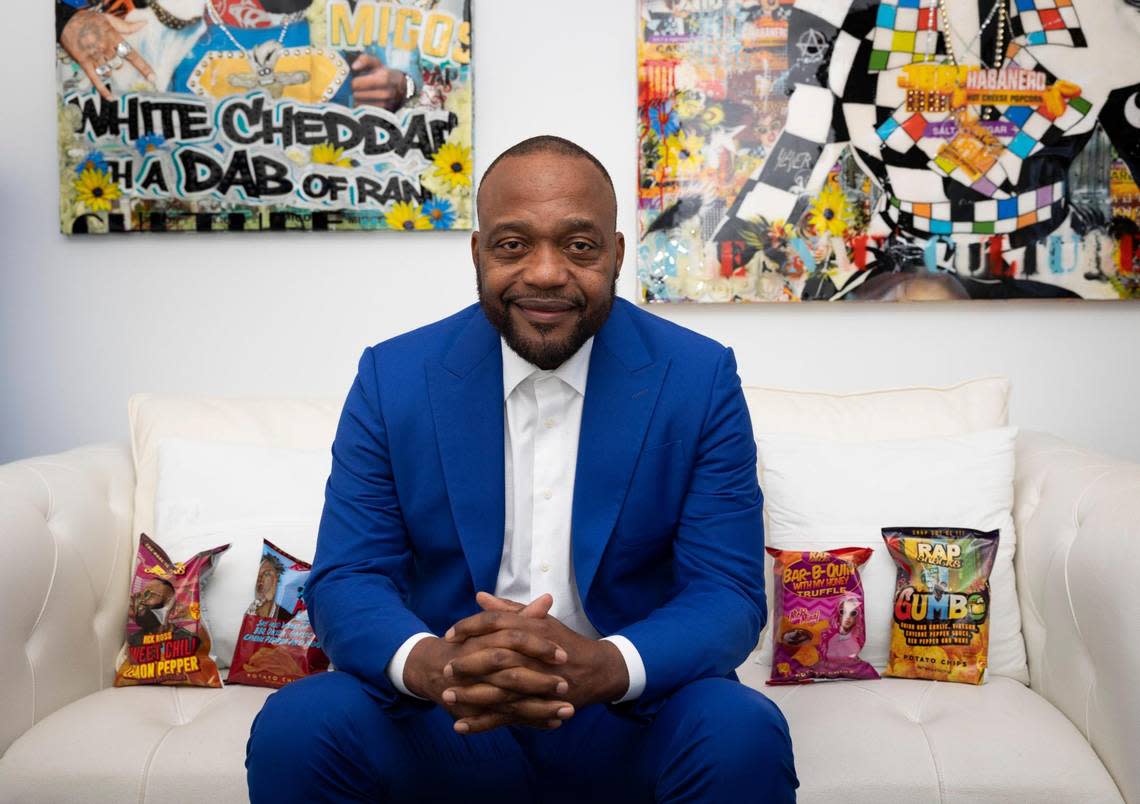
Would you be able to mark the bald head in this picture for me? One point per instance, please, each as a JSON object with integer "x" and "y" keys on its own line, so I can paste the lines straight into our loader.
{"x": 552, "y": 146}
{"x": 547, "y": 252}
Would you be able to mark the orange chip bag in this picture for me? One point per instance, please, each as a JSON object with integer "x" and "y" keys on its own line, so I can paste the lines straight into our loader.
{"x": 941, "y": 624}
{"x": 167, "y": 639}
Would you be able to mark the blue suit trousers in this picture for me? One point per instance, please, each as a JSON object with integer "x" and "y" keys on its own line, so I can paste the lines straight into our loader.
{"x": 329, "y": 738}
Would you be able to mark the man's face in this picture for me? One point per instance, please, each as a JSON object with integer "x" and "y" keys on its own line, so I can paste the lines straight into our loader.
{"x": 266, "y": 581}
{"x": 155, "y": 595}
{"x": 546, "y": 255}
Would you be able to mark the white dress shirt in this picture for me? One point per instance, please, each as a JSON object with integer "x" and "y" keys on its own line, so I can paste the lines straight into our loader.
{"x": 542, "y": 419}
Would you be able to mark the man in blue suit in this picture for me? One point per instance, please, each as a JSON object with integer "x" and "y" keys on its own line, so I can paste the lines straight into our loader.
{"x": 592, "y": 465}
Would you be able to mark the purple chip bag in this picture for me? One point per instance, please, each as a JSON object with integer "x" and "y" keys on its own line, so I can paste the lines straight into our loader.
{"x": 819, "y": 625}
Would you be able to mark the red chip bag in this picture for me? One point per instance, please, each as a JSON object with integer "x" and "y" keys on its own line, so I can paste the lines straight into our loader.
{"x": 167, "y": 638}
{"x": 276, "y": 644}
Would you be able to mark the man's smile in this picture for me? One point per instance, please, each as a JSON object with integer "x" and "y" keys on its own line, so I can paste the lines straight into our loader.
{"x": 544, "y": 311}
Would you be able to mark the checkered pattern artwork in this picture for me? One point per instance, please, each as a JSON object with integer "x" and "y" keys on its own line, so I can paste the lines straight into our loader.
{"x": 906, "y": 131}
{"x": 994, "y": 217}
{"x": 1047, "y": 22}
{"x": 967, "y": 168}
{"x": 904, "y": 32}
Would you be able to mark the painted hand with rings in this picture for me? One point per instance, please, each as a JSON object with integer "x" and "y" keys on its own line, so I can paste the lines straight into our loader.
{"x": 95, "y": 40}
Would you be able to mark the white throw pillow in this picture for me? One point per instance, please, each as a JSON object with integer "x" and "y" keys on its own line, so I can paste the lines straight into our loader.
{"x": 203, "y": 483}
{"x": 217, "y": 493}
{"x": 879, "y": 415}
{"x": 823, "y": 494}
{"x": 307, "y": 424}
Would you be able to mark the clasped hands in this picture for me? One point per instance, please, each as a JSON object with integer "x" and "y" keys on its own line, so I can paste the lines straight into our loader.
{"x": 514, "y": 664}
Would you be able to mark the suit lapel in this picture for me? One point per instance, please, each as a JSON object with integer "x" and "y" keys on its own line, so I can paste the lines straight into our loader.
{"x": 621, "y": 392}
{"x": 466, "y": 391}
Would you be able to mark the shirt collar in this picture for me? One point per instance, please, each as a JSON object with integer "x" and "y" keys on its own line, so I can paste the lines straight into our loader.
{"x": 573, "y": 372}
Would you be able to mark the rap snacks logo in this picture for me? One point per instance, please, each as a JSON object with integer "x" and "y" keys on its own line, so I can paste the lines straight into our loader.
{"x": 938, "y": 554}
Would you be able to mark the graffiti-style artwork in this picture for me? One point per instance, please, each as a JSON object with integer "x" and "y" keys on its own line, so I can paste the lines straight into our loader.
{"x": 888, "y": 150}
{"x": 250, "y": 115}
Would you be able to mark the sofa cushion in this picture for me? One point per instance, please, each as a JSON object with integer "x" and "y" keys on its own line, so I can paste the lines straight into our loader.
{"x": 861, "y": 741}
{"x": 902, "y": 740}
{"x": 146, "y": 744}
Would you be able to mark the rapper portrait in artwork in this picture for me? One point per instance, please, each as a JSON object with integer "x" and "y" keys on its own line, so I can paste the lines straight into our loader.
{"x": 889, "y": 150}
{"x": 264, "y": 114}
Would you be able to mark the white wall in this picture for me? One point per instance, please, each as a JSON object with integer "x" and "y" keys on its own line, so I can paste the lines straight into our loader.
{"x": 86, "y": 322}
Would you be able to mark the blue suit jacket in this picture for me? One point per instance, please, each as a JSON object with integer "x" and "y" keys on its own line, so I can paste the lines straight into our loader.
{"x": 667, "y": 534}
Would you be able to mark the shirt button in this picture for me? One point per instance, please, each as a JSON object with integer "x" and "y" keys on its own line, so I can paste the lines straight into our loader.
{"x": 547, "y": 494}
{"x": 545, "y": 567}
{"x": 549, "y": 423}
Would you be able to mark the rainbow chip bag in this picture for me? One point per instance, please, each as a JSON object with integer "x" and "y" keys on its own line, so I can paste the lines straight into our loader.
{"x": 276, "y": 643}
{"x": 167, "y": 639}
{"x": 819, "y": 625}
{"x": 941, "y": 625}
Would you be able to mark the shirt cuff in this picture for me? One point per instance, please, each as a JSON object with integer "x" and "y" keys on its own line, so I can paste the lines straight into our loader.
{"x": 633, "y": 665}
{"x": 395, "y": 669}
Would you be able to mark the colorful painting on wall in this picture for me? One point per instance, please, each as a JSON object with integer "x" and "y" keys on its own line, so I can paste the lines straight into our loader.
{"x": 888, "y": 150}
{"x": 252, "y": 115}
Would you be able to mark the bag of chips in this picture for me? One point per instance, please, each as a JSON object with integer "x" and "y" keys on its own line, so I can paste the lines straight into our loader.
{"x": 819, "y": 626}
{"x": 941, "y": 622}
{"x": 276, "y": 644}
{"x": 167, "y": 638}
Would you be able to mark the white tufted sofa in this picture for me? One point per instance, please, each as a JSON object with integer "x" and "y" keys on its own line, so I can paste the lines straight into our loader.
{"x": 1071, "y": 736}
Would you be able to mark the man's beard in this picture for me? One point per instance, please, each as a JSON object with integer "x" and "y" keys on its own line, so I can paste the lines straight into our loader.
{"x": 546, "y": 353}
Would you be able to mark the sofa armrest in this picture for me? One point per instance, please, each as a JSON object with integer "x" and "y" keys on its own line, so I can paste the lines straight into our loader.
{"x": 65, "y": 529}
{"x": 1077, "y": 515}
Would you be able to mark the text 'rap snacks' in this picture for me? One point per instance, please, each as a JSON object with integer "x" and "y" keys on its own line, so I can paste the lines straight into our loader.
{"x": 942, "y": 602}
{"x": 167, "y": 638}
{"x": 277, "y": 644}
{"x": 819, "y": 625}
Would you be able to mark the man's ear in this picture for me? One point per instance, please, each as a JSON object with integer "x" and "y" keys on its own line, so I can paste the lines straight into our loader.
{"x": 619, "y": 253}
{"x": 475, "y": 248}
